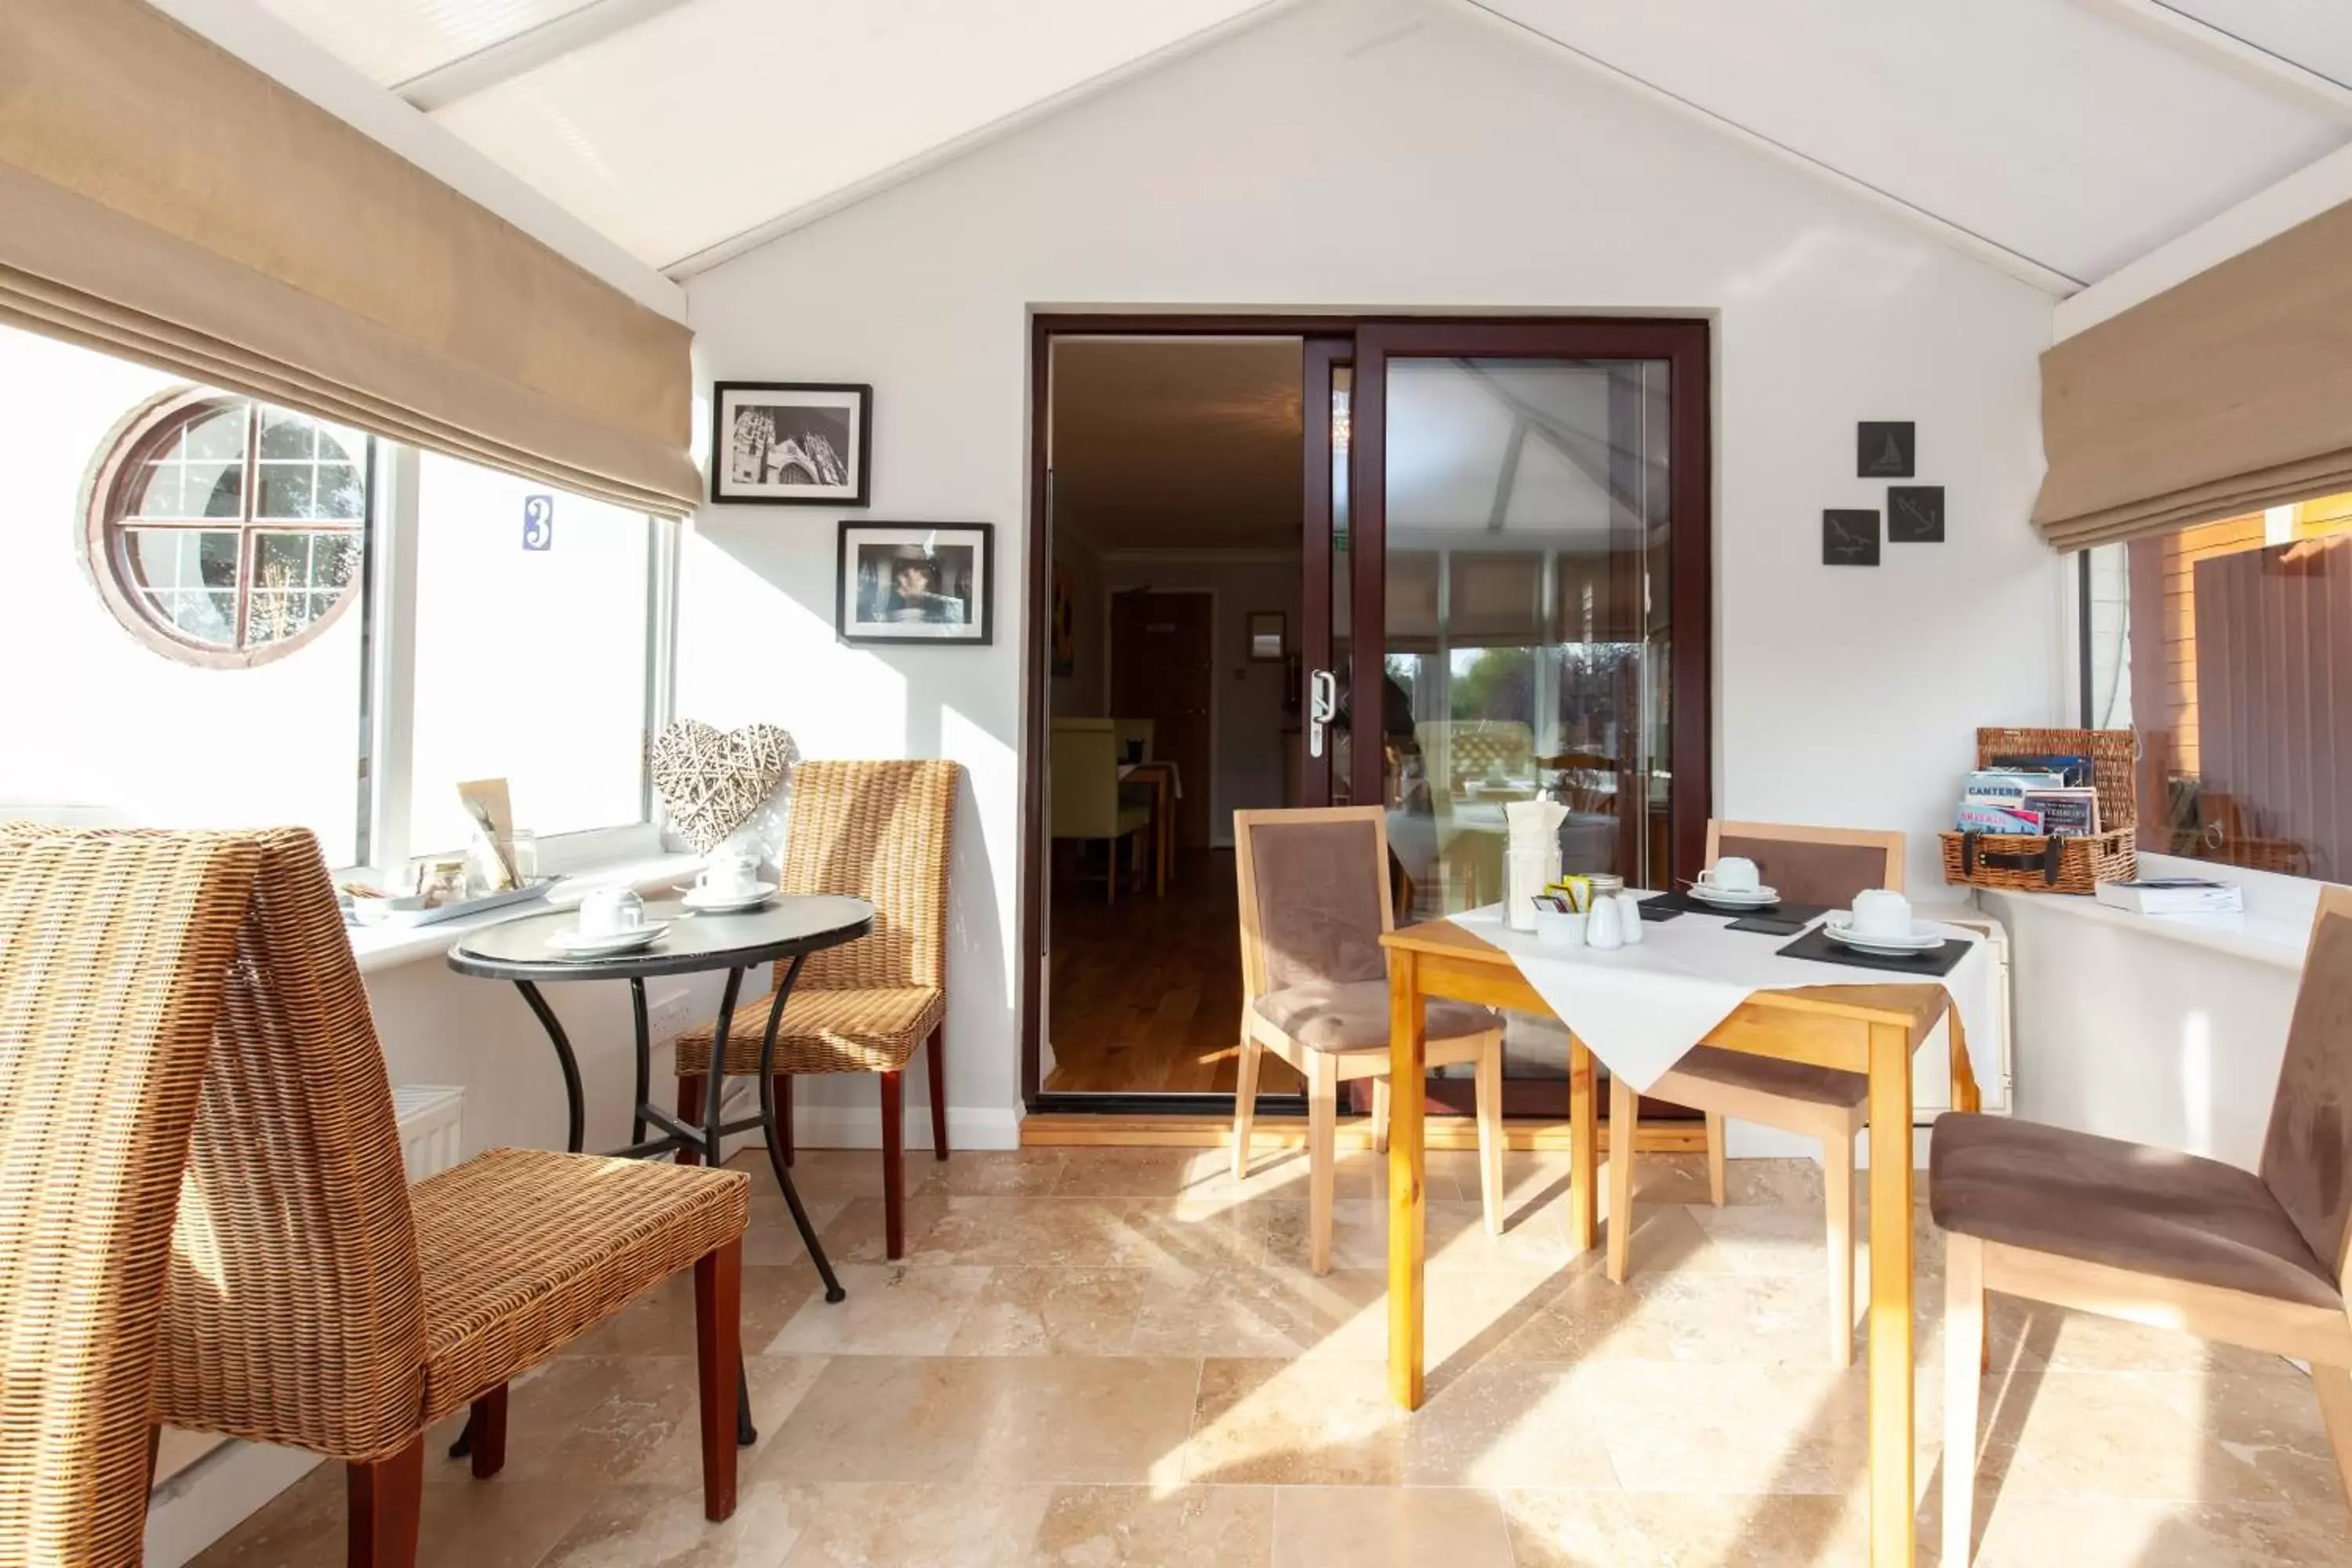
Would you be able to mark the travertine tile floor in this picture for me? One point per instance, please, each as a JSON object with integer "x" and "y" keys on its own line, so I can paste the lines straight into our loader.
{"x": 1114, "y": 1357}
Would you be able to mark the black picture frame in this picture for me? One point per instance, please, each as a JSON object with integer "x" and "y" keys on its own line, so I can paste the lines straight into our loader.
{"x": 1914, "y": 515}
{"x": 834, "y": 412}
{"x": 1849, "y": 538}
{"x": 1886, "y": 449}
{"x": 874, "y": 609}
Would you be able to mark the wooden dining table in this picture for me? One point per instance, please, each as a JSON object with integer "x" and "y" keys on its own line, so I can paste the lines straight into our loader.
{"x": 1866, "y": 1028}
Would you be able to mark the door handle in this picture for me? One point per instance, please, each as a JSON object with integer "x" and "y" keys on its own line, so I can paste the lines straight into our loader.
{"x": 1322, "y": 706}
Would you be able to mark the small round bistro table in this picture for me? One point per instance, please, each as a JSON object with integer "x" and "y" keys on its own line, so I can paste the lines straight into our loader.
{"x": 786, "y": 930}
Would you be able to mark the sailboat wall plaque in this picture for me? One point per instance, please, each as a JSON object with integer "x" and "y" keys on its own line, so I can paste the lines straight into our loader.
{"x": 1887, "y": 449}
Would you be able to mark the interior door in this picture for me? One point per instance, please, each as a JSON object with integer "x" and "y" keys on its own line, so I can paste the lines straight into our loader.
{"x": 1162, "y": 668}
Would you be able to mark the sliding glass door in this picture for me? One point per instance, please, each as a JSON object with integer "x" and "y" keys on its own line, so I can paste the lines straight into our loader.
{"x": 1527, "y": 554}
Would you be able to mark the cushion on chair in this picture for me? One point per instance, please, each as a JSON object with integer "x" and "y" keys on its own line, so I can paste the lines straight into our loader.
{"x": 866, "y": 1030}
{"x": 1703, "y": 1065}
{"x": 524, "y": 1250}
{"x": 1133, "y": 818}
{"x": 1809, "y": 872}
{"x": 1354, "y": 1016}
{"x": 2127, "y": 1206}
{"x": 1320, "y": 885}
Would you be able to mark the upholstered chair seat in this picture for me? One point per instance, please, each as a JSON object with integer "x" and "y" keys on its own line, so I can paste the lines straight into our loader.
{"x": 1353, "y": 1016}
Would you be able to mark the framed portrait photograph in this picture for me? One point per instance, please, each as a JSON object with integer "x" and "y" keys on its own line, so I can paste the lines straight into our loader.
{"x": 780, "y": 443}
{"x": 916, "y": 583}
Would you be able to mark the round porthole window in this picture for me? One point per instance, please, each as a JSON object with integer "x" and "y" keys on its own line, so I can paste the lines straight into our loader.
{"x": 224, "y": 533}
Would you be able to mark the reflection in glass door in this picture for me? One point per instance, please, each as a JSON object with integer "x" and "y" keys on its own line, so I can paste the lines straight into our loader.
{"x": 1527, "y": 577}
{"x": 1522, "y": 498}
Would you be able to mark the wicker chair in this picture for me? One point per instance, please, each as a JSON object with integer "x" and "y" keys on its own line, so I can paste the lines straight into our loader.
{"x": 319, "y": 1302}
{"x": 109, "y": 987}
{"x": 877, "y": 831}
{"x": 1805, "y": 865}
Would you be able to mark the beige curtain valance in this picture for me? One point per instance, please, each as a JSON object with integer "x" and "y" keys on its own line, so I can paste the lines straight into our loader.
{"x": 162, "y": 200}
{"x": 2228, "y": 393}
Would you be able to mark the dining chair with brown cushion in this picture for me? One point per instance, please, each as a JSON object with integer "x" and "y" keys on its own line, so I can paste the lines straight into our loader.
{"x": 880, "y": 831}
{"x": 1804, "y": 865}
{"x": 112, "y": 961}
{"x": 2096, "y": 1225}
{"x": 316, "y": 1301}
{"x": 1315, "y": 902}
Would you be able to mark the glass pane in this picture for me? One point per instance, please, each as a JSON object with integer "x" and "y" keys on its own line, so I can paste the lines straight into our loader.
{"x": 298, "y": 578}
{"x": 159, "y": 492}
{"x": 337, "y": 492}
{"x": 571, "y": 749}
{"x": 190, "y": 578}
{"x": 285, "y": 434}
{"x": 1526, "y": 617}
{"x": 219, "y": 438}
{"x": 286, "y": 490}
{"x": 213, "y": 490}
{"x": 2238, "y": 634}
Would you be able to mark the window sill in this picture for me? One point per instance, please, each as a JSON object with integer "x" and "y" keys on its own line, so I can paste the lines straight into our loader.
{"x": 2267, "y": 938}
{"x": 380, "y": 948}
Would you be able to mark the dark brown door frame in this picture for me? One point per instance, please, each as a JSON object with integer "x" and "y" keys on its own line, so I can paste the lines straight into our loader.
{"x": 1684, "y": 343}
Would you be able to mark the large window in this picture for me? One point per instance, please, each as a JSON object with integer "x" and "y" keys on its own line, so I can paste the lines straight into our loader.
{"x": 2227, "y": 647}
{"x": 232, "y": 615}
{"x": 534, "y": 618}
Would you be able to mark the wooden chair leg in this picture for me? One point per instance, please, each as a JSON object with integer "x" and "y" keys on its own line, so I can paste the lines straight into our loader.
{"x": 690, "y": 1110}
{"x": 939, "y": 1089}
{"x": 1488, "y": 1089}
{"x": 154, "y": 1444}
{"x": 1964, "y": 1336}
{"x": 1322, "y": 1140}
{"x": 385, "y": 1496}
{"x": 1110, "y": 881}
{"x": 1837, "y": 1184}
{"x": 486, "y": 1434}
{"x": 894, "y": 1167}
{"x": 2334, "y": 1386}
{"x": 717, "y": 1356}
{"x": 784, "y": 1114}
{"x": 1380, "y": 1114}
{"x": 1624, "y": 1109}
{"x": 1717, "y": 1180}
{"x": 1245, "y": 1103}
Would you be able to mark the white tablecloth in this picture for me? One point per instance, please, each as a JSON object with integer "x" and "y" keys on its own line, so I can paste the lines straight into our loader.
{"x": 1639, "y": 1008}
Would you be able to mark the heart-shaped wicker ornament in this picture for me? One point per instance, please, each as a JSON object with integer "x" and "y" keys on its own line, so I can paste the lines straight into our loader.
{"x": 714, "y": 783}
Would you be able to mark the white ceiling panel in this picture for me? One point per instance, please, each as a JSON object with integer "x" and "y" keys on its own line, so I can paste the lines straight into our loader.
{"x": 390, "y": 41}
{"x": 2056, "y": 129}
{"x": 718, "y": 117}
{"x": 2314, "y": 33}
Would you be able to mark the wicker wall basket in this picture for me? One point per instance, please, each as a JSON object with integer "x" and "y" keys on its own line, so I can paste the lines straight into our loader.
{"x": 2028, "y": 863}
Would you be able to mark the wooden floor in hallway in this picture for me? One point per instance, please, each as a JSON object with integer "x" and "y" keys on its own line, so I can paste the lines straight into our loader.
{"x": 1147, "y": 991}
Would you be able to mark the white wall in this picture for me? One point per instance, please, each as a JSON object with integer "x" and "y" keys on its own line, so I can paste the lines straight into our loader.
{"x": 1397, "y": 156}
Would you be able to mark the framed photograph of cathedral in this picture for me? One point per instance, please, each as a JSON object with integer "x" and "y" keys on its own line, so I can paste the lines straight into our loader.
{"x": 791, "y": 443}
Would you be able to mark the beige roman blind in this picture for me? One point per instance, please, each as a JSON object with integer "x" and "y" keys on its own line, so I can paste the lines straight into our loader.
{"x": 162, "y": 200}
{"x": 2228, "y": 393}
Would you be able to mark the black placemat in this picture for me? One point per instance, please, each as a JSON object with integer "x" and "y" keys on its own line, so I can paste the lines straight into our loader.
{"x": 1816, "y": 945}
{"x": 1682, "y": 902}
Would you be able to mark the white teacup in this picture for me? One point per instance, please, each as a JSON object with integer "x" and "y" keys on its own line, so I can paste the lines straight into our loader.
{"x": 609, "y": 911}
{"x": 735, "y": 878}
{"x": 1880, "y": 912}
{"x": 1732, "y": 874}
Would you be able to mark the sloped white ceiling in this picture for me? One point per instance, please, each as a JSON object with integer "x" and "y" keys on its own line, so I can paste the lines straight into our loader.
{"x": 391, "y": 41}
{"x": 2054, "y": 127}
{"x": 2314, "y": 33}
{"x": 2070, "y": 134}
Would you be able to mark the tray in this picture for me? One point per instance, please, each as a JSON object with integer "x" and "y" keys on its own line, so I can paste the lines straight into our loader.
{"x": 475, "y": 905}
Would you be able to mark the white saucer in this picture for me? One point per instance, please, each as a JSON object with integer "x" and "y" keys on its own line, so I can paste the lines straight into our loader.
{"x": 708, "y": 903}
{"x": 575, "y": 943}
{"x": 1839, "y": 928}
{"x": 1724, "y": 897}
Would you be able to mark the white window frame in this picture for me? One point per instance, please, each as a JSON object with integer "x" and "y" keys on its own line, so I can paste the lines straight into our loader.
{"x": 390, "y": 675}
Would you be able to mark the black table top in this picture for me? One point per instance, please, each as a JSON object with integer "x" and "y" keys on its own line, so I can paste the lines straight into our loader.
{"x": 794, "y": 924}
